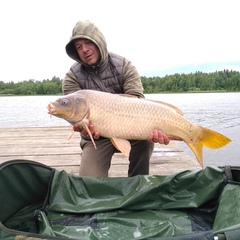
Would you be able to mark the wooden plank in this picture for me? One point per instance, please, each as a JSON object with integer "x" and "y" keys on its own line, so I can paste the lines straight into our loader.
{"x": 49, "y": 145}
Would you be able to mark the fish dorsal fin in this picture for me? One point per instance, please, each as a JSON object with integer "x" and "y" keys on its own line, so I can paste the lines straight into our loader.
{"x": 127, "y": 95}
{"x": 168, "y": 105}
{"x": 160, "y": 102}
{"x": 122, "y": 145}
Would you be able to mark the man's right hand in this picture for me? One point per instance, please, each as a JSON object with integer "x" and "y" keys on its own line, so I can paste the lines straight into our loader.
{"x": 95, "y": 135}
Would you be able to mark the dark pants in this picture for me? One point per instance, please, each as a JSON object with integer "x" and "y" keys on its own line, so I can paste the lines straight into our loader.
{"x": 96, "y": 162}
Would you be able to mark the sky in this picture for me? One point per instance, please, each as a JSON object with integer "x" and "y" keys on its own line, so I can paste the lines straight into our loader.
{"x": 156, "y": 35}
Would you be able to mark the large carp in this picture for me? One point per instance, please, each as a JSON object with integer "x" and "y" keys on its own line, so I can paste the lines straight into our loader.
{"x": 119, "y": 118}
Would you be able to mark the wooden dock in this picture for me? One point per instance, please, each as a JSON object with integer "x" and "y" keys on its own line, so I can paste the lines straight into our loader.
{"x": 49, "y": 145}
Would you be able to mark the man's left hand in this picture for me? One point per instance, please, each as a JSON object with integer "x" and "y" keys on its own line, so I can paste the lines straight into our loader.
{"x": 158, "y": 136}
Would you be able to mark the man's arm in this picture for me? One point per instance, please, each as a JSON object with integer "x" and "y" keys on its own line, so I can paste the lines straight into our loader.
{"x": 132, "y": 83}
{"x": 70, "y": 83}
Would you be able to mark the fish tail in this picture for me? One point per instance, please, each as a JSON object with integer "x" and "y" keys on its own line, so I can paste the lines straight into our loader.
{"x": 210, "y": 139}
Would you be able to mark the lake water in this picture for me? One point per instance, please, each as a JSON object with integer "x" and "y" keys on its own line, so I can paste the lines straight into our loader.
{"x": 217, "y": 111}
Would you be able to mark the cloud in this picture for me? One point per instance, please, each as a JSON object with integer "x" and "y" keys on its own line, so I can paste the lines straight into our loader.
{"x": 154, "y": 35}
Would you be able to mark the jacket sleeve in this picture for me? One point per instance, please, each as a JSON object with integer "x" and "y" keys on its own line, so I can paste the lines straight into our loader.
{"x": 132, "y": 83}
{"x": 70, "y": 83}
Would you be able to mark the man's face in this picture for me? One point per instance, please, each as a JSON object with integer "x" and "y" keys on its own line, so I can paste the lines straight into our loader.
{"x": 87, "y": 51}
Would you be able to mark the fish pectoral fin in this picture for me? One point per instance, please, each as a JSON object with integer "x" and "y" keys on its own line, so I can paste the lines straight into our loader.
{"x": 70, "y": 136}
{"x": 85, "y": 126}
{"x": 122, "y": 145}
{"x": 197, "y": 150}
{"x": 212, "y": 139}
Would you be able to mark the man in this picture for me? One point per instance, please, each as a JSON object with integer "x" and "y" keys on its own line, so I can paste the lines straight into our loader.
{"x": 100, "y": 70}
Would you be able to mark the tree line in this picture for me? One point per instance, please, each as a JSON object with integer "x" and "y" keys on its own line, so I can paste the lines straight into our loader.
{"x": 194, "y": 82}
{"x": 32, "y": 87}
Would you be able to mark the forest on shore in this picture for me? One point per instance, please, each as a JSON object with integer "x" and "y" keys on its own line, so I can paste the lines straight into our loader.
{"x": 226, "y": 80}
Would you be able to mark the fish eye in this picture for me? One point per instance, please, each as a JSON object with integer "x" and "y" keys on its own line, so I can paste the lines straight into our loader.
{"x": 64, "y": 101}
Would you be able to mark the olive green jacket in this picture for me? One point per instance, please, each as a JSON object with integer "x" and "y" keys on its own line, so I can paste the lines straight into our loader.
{"x": 113, "y": 73}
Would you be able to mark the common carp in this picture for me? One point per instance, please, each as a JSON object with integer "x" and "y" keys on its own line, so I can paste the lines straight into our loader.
{"x": 123, "y": 118}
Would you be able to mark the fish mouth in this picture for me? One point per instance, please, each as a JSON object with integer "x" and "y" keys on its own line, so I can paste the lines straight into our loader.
{"x": 51, "y": 109}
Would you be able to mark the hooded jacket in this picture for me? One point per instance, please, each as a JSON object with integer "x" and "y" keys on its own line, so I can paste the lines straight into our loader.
{"x": 113, "y": 73}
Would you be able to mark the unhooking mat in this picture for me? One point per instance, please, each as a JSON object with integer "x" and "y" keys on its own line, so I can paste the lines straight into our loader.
{"x": 38, "y": 202}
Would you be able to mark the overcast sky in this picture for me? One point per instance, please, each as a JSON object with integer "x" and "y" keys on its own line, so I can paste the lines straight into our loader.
{"x": 153, "y": 34}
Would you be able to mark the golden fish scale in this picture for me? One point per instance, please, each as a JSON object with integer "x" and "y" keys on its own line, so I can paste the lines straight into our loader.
{"x": 118, "y": 116}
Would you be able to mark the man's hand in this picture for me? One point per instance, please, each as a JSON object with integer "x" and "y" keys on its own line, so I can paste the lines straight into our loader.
{"x": 158, "y": 136}
{"x": 95, "y": 135}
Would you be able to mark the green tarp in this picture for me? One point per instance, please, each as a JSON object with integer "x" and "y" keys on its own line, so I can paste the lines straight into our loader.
{"x": 44, "y": 203}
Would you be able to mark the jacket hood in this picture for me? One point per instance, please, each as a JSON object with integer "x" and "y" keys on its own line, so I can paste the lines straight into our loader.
{"x": 87, "y": 30}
